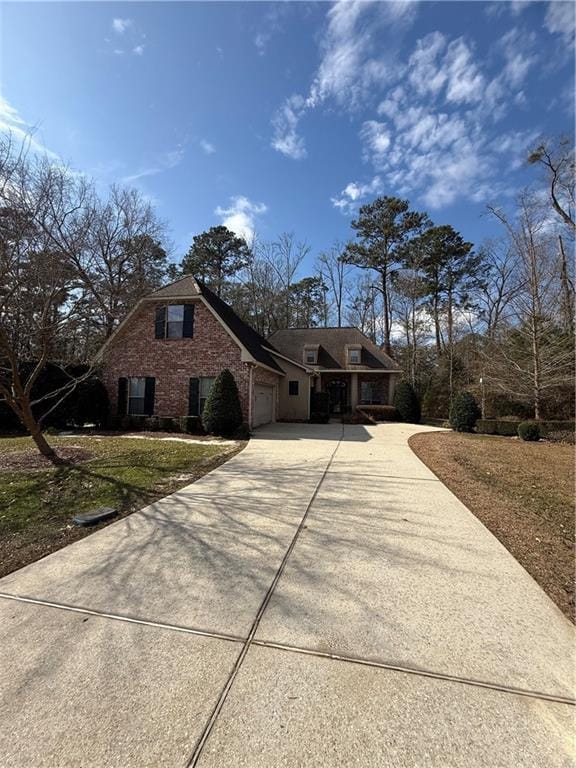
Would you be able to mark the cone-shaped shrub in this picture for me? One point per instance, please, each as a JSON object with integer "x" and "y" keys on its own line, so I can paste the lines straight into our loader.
{"x": 406, "y": 403}
{"x": 464, "y": 412}
{"x": 222, "y": 413}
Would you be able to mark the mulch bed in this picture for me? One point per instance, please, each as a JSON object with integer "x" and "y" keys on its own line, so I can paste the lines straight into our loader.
{"x": 31, "y": 460}
{"x": 522, "y": 492}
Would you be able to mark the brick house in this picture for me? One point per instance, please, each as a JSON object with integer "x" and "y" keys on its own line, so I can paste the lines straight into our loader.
{"x": 164, "y": 356}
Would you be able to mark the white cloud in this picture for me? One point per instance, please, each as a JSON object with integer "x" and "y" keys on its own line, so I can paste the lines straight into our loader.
{"x": 464, "y": 81}
{"x": 164, "y": 162}
{"x": 561, "y": 19}
{"x": 358, "y": 53}
{"x": 285, "y": 123}
{"x": 207, "y": 147}
{"x": 138, "y": 50}
{"x": 121, "y": 25}
{"x": 240, "y": 216}
{"x": 13, "y": 124}
{"x": 376, "y": 140}
{"x": 354, "y": 193}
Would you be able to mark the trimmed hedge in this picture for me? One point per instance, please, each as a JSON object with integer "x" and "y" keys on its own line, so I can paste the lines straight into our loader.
{"x": 378, "y": 412}
{"x": 406, "y": 403}
{"x": 529, "y": 431}
{"x": 507, "y": 428}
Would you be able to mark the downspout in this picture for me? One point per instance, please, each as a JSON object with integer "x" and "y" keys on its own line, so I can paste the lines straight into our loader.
{"x": 250, "y": 393}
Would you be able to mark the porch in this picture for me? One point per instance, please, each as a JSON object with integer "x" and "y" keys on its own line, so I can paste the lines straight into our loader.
{"x": 347, "y": 389}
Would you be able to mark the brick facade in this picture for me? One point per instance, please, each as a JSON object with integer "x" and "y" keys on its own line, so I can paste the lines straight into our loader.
{"x": 135, "y": 351}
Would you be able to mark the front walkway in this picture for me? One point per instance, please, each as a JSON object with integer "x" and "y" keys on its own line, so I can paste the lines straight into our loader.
{"x": 320, "y": 600}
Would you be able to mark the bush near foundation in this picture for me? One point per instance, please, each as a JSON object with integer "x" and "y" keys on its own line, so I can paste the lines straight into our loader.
{"x": 222, "y": 414}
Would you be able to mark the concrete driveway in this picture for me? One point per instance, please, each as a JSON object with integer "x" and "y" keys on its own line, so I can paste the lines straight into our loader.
{"x": 320, "y": 600}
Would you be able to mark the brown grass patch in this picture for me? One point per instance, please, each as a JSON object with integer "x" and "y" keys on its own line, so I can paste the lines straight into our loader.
{"x": 522, "y": 492}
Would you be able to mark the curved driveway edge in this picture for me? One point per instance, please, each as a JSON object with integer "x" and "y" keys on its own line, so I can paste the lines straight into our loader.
{"x": 399, "y": 633}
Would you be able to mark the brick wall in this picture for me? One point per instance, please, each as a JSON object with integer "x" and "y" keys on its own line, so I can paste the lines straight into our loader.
{"x": 135, "y": 351}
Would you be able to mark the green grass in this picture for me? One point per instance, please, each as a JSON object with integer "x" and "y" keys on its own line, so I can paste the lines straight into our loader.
{"x": 123, "y": 473}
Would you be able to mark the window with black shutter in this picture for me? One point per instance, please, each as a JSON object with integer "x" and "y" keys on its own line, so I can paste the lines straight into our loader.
{"x": 149, "y": 392}
{"x": 174, "y": 321}
{"x": 193, "y": 393}
{"x": 122, "y": 396}
{"x": 293, "y": 388}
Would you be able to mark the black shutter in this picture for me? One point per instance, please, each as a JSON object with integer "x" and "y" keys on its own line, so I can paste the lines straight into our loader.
{"x": 193, "y": 398}
{"x": 122, "y": 396}
{"x": 160, "y": 324}
{"x": 188, "y": 326}
{"x": 149, "y": 390}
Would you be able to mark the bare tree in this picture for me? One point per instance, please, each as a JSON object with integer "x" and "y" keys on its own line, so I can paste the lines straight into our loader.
{"x": 38, "y": 288}
{"x": 536, "y": 353}
{"x": 556, "y": 157}
{"x": 334, "y": 272}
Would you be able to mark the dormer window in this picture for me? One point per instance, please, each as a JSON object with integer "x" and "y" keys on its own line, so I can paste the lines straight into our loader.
{"x": 354, "y": 355}
{"x": 311, "y": 354}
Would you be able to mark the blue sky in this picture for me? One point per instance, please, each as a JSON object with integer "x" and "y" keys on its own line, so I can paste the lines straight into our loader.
{"x": 286, "y": 116}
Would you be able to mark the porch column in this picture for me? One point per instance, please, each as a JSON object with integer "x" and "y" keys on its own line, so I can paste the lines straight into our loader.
{"x": 354, "y": 391}
{"x": 392, "y": 377}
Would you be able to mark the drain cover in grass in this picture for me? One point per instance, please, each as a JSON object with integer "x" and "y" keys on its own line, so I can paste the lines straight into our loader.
{"x": 95, "y": 516}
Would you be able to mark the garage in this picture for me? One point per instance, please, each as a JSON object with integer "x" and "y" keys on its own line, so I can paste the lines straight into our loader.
{"x": 263, "y": 404}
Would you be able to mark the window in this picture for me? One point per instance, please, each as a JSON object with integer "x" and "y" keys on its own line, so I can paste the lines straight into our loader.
{"x": 293, "y": 387}
{"x": 175, "y": 321}
{"x": 311, "y": 356}
{"x": 204, "y": 391}
{"x": 353, "y": 355}
{"x": 370, "y": 393}
{"x": 136, "y": 395}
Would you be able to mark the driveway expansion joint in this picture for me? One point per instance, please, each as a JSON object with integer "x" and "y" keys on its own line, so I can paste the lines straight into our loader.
{"x": 128, "y": 619}
{"x": 556, "y": 698}
{"x": 197, "y": 753}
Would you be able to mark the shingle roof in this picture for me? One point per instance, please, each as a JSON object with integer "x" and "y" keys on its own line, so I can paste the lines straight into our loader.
{"x": 246, "y": 335}
{"x": 185, "y": 286}
{"x": 332, "y": 348}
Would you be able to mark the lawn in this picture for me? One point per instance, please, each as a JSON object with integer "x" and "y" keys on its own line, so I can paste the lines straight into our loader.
{"x": 37, "y": 504}
{"x": 522, "y": 492}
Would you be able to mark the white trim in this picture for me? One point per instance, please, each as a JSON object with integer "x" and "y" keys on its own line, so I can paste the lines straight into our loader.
{"x": 250, "y": 393}
{"x": 357, "y": 370}
{"x": 273, "y": 352}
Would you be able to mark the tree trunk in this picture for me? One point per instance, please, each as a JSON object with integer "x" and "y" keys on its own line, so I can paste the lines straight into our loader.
{"x": 385, "y": 311}
{"x": 567, "y": 290}
{"x": 36, "y": 434}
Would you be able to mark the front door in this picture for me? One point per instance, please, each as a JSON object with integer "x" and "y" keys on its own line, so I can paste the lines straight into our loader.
{"x": 338, "y": 393}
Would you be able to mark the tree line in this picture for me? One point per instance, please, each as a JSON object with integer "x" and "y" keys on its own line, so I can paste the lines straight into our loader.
{"x": 497, "y": 318}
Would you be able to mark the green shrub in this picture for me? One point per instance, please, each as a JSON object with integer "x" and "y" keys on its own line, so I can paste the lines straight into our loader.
{"x": 222, "y": 413}
{"x": 406, "y": 403}
{"x": 529, "y": 431}
{"x": 464, "y": 412}
{"x": 242, "y": 433}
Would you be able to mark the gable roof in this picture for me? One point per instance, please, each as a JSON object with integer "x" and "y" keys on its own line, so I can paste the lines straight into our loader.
{"x": 332, "y": 348}
{"x": 186, "y": 288}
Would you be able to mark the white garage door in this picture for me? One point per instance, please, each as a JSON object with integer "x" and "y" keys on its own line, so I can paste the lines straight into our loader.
{"x": 263, "y": 404}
